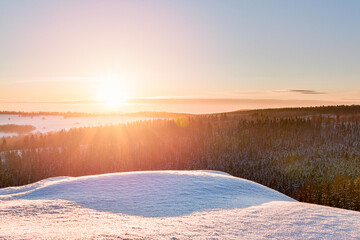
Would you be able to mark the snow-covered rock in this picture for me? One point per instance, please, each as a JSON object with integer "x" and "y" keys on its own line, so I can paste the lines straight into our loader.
{"x": 164, "y": 205}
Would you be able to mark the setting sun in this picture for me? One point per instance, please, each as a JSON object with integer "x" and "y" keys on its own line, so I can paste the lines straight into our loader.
{"x": 110, "y": 93}
{"x": 111, "y": 96}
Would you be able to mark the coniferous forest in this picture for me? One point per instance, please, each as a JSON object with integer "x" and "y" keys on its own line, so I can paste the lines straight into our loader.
{"x": 309, "y": 154}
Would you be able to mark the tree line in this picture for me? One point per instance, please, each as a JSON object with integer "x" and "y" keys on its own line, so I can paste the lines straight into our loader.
{"x": 312, "y": 157}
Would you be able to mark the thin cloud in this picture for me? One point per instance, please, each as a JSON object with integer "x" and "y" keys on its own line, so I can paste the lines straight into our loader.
{"x": 51, "y": 80}
{"x": 303, "y": 91}
{"x": 220, "y": 101}
{"x": 271, "y": 92}
{"x": 249, "y": 92}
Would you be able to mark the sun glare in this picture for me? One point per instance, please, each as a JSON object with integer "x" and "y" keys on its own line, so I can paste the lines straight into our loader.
{"x": 111, "y": 94}
{"x": 111, "y": 97}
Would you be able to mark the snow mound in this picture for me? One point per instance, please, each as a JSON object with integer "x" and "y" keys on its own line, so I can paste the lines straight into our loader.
{"x": 150, "y": 194}
{"x": 165, "y": 205}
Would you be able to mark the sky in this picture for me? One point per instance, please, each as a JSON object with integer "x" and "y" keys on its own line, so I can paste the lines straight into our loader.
{"x": 267, "y": 53}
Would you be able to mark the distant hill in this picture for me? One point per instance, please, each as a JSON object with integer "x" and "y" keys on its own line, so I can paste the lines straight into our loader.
{"x": 81, "y": 114}
{"x": 339, "y": 109}
{"x": 14, "y": 128}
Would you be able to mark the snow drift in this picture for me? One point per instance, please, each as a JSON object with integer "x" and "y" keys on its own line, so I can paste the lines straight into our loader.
{"x": 164, "y": 204}
{"x": 151, "y": 194}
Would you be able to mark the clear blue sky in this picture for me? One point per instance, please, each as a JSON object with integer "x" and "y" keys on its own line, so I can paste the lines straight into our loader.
{"x": 233, "y": 49}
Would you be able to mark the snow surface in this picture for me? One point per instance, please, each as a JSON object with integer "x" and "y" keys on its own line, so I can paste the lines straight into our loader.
{"x": 150, "y": 194}
{"x": 164, "y": 205}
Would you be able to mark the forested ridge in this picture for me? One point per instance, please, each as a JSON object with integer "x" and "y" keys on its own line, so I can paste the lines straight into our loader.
{"x": 310, "y": 154}
{"x": 20, "y": 129}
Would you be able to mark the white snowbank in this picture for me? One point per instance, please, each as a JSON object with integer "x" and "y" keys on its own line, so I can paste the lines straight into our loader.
{"x": 164, "y": 205}
{"x": 151, "y": 194}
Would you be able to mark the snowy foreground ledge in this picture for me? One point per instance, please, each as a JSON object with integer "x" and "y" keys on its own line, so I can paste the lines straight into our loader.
{"x": 164, "y": 205}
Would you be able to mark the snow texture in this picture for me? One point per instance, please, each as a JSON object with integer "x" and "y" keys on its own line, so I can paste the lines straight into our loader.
{"x": 164, "y": 205}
